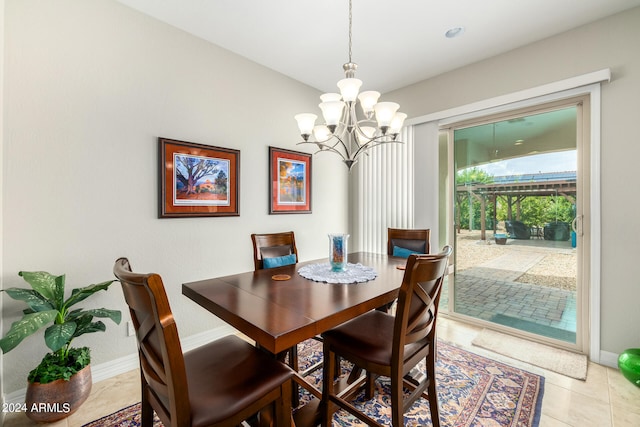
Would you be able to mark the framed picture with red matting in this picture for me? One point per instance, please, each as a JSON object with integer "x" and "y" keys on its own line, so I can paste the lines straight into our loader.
{"x": 197, "y": 180}
{"x": 289, "y": 181}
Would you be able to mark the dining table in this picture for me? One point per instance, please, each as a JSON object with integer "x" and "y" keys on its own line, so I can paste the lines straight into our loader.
{"x": 278, "y": 308}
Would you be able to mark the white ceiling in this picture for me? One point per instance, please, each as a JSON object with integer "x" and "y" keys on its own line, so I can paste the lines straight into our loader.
{"x": 395, "y": 42}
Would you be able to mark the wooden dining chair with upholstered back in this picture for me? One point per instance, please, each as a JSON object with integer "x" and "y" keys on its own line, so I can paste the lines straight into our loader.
{"x": 392, "y": 346}
{"x": 221, "y": 383}
{"x": 272, "y": 250}
{"x": 403, "y": 242}
{"x": 276, "y": 248}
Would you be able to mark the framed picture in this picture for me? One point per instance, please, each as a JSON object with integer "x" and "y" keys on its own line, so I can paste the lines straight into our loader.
{"x": 197, "y": 180}
{"x": 289, "y": 181}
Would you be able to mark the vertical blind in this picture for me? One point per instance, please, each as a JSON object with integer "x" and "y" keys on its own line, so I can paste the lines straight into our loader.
{"x": 385, "y": 192}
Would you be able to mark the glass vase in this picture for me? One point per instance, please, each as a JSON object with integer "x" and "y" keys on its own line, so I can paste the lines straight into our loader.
{"x": 629, "y": 364}
{"x": 338, "y": 251}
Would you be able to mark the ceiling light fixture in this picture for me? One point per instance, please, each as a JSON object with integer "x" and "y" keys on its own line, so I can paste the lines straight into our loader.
{"x": 343, "y": 133}
{"x": 454, "y": 32}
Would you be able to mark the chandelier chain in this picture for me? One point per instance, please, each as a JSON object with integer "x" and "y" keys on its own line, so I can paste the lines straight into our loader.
{"x": 350, "y": 24}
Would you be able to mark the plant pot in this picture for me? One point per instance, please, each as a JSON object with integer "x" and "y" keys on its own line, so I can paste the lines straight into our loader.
{"x": 58, "y": 399}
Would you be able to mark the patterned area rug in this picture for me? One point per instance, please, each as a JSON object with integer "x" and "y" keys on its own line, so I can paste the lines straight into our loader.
{"x": 472, "y": 391}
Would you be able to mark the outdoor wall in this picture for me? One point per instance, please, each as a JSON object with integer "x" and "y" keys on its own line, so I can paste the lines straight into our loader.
{"x": 608, "y": 43}
{"x": 89, "y": 86}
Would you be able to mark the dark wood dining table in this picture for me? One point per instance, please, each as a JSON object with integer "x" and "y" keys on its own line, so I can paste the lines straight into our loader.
{"x": 278, "y": 314}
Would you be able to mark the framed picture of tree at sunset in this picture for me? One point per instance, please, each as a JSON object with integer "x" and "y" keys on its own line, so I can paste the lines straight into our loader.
{"x": 197, "y": 180}
{"x": 289, "y": 181}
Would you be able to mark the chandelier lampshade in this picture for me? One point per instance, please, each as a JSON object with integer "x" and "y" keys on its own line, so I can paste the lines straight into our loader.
{"x": 349, "y": 131}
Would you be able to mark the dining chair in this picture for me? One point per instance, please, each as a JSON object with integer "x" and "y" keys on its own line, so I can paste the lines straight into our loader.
{"x": 403, "y": 242}
{"x": 274, "y": 249}
{"x": 221, "y": 383}
{"x": 392, "y": 346}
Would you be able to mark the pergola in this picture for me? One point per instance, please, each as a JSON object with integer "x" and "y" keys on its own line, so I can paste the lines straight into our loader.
{"x": 514, "y": 189}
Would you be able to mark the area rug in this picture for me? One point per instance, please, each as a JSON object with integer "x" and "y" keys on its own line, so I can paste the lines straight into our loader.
{"x": 472, "y": 391}
{"x": 561, "y": 361}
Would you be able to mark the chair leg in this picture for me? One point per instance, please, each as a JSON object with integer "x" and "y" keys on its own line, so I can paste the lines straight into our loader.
{"x": 328, "y": 375}
{"x": 397, "y": 403}
{"x": 431, "y": 389}
{"x": 266, "y": 416}
{"x": 370, "y": 386}
{"x": 293, "y": 363}
{"x": 284, "y": 414}
{"x": 146, "y": 418}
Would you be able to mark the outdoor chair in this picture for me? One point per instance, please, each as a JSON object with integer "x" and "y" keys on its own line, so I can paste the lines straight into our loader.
{"x": 517, "y": 230}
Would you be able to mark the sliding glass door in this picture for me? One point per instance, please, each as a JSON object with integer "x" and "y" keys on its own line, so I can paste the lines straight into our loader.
{"x": 517, "y": 205}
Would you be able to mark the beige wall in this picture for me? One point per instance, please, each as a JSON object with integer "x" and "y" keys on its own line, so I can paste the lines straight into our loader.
{"x": 2, "y": 415}
{"x": 89, "y": 86}
{"x": 609, "y": 43}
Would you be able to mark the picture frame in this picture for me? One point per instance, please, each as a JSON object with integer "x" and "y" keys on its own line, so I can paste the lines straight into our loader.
{"x": 197, "y": 180}
{"x": 289, "y": 181}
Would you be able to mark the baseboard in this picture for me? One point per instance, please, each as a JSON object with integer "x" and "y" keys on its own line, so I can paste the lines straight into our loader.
{"x": 130, "y": 362}
{"x": 609, "y": 359}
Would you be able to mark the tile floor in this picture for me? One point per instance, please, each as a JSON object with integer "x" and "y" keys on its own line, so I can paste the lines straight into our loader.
{"x": 605, "y": 399}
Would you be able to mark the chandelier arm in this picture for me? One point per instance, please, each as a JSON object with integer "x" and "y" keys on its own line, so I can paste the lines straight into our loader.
{"x": 346, "y": 149}
{"x": 366, "y": 122}
{"x": 372, "y": 144}
{"x": 326, "y": 147}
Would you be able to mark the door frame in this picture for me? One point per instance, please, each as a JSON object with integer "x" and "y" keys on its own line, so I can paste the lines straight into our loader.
{"x": 586, "y": 84}
{"x": 581, "y": 104}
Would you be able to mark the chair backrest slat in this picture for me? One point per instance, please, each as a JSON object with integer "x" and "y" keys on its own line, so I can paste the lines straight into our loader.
{"x": 418, "y": 300}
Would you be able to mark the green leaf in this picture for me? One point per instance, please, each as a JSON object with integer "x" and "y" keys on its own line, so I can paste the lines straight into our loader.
{"x": 82, "y": 321}
{"x": 90, "y": 328}
{"x": 72, "y": 314}
{"x": 34, "y": 300}
{"x": 59, "y": 284}
{"x": 114, "y": 315}
{"x": 80, "y": 294}
{"x": 24, "y": 327}
{"x": 58, "y": 335}
{"x": 52, "y": 368}
{"x": 43, "y": 283}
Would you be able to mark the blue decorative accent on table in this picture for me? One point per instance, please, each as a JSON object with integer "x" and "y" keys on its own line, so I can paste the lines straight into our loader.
{"x": 338, "y": 251}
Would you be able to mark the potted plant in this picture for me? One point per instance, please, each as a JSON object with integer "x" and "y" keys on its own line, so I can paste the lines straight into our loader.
{"x": 62, "y": 380}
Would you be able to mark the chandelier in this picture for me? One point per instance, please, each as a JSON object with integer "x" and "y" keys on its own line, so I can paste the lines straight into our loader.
{"x": 343, "y": 133}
